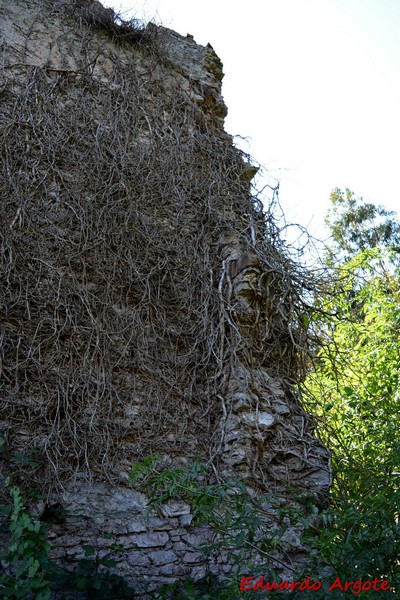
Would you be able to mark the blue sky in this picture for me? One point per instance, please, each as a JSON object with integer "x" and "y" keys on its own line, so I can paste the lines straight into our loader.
{"x": 313, "y": 84}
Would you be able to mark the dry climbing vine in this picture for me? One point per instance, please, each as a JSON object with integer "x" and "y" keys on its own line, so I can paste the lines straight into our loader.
{"x": 116, "y": 196}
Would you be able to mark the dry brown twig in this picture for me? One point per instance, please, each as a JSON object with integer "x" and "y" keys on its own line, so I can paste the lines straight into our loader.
{"x": 116, "y": 313}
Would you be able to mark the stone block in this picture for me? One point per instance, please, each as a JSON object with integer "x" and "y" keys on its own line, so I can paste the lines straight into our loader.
{"x": 136, "y": 527}
{"x": 137, "y": 559}
{"x": 192, "y": 557}
{"x": 168, "y": 570}
{"x": 282, "y": 409}
{"x": 163, "y": 557}
{"x": 150, "y": 540}
{"x": 195, "y": 539}
{"x": 198, "y": 573}
{"x": 160, "y": 524}
{"x": 262, "y": 420}
{"x": 178, "y": 545}
{"x": 174, "y": 509}
{"x": 185, "y": 519}
{"x": 114, "y": 529}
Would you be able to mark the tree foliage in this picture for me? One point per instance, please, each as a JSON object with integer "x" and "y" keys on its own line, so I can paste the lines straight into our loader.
{"x": 356, "y": 225}
{"x": 354, "y": 390}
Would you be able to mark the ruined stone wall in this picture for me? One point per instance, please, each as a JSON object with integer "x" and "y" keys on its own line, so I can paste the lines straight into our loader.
{"x": 146, "y": 303}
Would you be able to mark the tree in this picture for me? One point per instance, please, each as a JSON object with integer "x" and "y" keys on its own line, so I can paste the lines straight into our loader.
{"x": 354, "y": 390}
{"x": 356, "y": 225}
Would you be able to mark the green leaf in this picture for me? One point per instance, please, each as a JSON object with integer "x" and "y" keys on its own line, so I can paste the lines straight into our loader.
{"x": 348, "y": 390}
{"x": 239, "y": 538}
{"x": 88, "y": 550}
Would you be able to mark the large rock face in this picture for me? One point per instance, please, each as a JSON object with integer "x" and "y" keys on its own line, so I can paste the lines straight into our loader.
{"x": 145, "y": 303}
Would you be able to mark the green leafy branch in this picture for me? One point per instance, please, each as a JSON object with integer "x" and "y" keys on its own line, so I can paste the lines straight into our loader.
{"x": 235, "y": 518}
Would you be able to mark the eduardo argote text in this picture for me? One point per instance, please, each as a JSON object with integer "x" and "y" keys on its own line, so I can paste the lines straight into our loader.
{"x": 356, "y": 587}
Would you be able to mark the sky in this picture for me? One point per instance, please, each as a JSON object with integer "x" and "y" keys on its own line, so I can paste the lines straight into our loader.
{"x": 313, "y": 87}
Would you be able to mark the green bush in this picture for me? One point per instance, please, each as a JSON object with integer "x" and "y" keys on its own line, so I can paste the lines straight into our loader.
{"x": 354, "y": 393}
{"x": 30, "y": 574}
